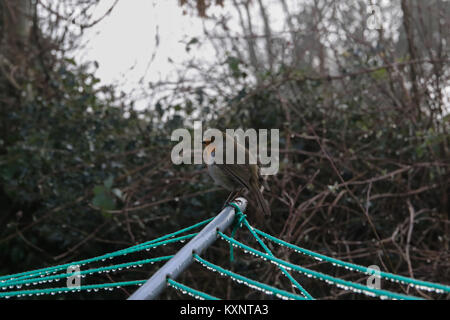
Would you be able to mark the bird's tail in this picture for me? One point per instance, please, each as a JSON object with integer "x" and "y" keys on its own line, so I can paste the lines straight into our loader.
{"x": 261, "y": 202}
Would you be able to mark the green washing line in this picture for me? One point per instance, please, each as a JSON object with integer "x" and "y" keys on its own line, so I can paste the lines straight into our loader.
{"x": 192, "y": 292}
{"x": 138, "y": 247}
{"x": 304, "y": 292}
{"x": 346, "y": 285}
{"x": 242, "y": 219}
{"x": 37, "y": 276}
{"x": 183, "y": 258}
{"x": 423, "y": 285}
{"x": 94, "y": 287}
{"x": 35, "y": 281}
{"x": 249, "y": 282}
{"x": 36, "y": 273}
{"x": 44, "y": 275}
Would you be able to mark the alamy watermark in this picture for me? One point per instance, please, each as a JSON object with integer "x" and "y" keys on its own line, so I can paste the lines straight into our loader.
{"x": 374, "y": 19}
{"x": 74, "y": 280}
{"x": 374, "y": 280}
{"x": 259, "y": 151}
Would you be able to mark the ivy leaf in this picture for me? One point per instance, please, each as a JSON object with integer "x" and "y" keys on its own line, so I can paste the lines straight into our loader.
{"x": 191, "y": 42}
{"x": 103, "y": 198}
{"x": 108, "y": 183}
{"x": 233, "y": 64}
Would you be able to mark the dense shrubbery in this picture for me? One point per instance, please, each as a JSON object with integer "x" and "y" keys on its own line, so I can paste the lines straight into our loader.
{"x": 364, "y": 172}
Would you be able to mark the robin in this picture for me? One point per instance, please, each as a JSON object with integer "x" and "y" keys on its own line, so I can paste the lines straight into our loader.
{"x": 235, "y": 177}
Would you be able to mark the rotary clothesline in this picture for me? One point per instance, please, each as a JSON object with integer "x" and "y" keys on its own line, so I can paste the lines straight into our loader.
{"x": 11, "y": 285}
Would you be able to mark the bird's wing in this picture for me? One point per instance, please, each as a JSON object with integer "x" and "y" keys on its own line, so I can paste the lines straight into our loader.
{"x": 242, "y": 173}
{"x": 238, "y": 172}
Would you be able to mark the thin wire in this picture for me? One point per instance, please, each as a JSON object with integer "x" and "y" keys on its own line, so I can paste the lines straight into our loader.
{"x": 188, "y": 290}
{"x": 242, "y": 219}
{"x": 247, "y": 281}
{"x": 55, "y": 269}
{"x": 70, "y": 289}
{"x": 43, "y": 275}
{"x": 347, "y": 285}
{"x": 57, "y": 277}
{"x": 142, "y": 246}
{"x": 424, "y": 285}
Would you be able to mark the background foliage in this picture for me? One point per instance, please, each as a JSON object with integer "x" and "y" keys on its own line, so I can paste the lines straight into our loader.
{"x": 364, "y": 173}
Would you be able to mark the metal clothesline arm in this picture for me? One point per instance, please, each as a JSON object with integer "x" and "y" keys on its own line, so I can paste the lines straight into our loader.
{"x": 182, "y": 259}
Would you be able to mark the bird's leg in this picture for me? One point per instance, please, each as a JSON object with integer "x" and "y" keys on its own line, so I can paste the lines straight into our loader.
{"x": 230, "y": 197}
{"x": 238, "y": 193}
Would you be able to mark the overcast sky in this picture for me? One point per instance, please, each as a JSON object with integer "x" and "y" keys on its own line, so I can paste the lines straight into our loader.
{"x": 124, "y": 42}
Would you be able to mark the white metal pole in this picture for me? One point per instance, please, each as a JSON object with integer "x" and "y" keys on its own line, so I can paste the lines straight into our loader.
{"x": 182, "y": 259}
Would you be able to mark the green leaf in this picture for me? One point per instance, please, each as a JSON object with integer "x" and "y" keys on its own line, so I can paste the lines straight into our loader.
{"x": 99, "y": 189}
{"x": 108, "y": 183}
{"x": 191, "y": 42}
{"x": 233, "y": 64}
{"x": 70, "y": 61}
{"x": 380, "y": 74}
{"x": 103, "y": 198}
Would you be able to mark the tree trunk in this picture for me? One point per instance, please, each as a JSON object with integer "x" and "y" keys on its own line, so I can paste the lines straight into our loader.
{"x": 407, "y": 24}
{"x": 17, "y": 16}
